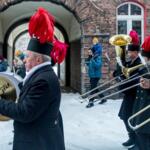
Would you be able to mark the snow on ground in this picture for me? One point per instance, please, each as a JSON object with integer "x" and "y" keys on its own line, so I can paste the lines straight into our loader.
{"x": 96, "y": 128}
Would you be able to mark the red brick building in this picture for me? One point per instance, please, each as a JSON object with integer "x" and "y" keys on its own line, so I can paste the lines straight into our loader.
{"x": 77, "y": 21}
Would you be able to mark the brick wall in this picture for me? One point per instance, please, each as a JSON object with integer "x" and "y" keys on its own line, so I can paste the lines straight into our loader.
{"x": 98, "y": 18}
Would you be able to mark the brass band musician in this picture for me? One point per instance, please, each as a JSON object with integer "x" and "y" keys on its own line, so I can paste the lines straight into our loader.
{"x": 129, "y": 95}
{"x": 36, "y": 115}
{"x": 142, "y": 100}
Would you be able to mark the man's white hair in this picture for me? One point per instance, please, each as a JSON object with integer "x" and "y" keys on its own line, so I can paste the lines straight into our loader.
{"x": 45, "y": 58}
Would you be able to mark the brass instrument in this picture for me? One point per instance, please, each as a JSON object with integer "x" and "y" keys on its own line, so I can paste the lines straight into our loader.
{"x": 127, "y": 71}
{"x": 137, "y": 114}
{"x": 118, "y": 41}
{"x": 131, "y": 78}
{"x": 112, "y": 94}
{"x": 112, "y": 87}
{"x": 9, "y": 89}
{"x": 84, "y": 95}
{"x": 122, "y": 40}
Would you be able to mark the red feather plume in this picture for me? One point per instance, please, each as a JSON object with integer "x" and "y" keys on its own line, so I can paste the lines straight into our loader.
{"x": 135, "y": 38}
{"x": 146, "y": 44}
{"x": 59, "y": 51}
{"x": 41, "y": 26}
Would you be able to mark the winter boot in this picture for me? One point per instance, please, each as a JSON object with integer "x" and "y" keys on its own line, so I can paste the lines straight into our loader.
{"x": 90, "y": 104}
{"x": 102, "y": 101}
{"x": 134, "y": 148}
{"x": 130, "y": 142}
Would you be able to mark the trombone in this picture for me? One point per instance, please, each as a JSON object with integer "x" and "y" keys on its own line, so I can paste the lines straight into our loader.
{"x": 118, "y": 92}
{"x": 107, "y": 82}
{"x": 126, "y": 72}
{"x": 114, "y": 86}
{"x": 137, "y": 114}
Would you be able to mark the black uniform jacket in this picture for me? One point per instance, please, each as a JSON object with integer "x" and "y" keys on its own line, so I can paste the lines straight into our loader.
{"x": 129, "y": 95}
{"x": 142, "y": 100}
{"x": 36, "y": 115}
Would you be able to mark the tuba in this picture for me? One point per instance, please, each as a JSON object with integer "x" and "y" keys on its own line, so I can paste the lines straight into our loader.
{"x": 120, "y": 41}
{"x": 9, "y": 89}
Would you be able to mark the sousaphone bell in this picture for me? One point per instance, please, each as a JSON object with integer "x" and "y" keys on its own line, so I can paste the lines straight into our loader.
{"x": 9, "y": 89}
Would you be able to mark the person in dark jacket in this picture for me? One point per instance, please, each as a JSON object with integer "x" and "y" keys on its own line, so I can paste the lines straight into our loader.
{"x": 94, "y": 63}
{"x": 130, "y": 95}
{"x": 37, "y": 119}
{"x": 143, "y": 100}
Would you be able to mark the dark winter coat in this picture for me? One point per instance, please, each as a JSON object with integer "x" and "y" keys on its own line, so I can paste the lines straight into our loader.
{"x": 129, "y": 95}
{"x": 142, "y": 100}
{"x": 36, "y": 115}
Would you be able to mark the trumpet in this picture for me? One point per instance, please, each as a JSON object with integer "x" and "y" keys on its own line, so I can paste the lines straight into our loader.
{"x": 137, "y": 114}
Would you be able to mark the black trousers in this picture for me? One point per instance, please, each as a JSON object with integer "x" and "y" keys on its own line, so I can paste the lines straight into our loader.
{"x": 129, "y": 130}
{"x": 143, "y": 141}
{"x": 93, "y": 84}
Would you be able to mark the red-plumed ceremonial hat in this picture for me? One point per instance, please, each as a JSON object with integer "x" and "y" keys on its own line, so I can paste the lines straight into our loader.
{"x": 146, "y": 47}
{"x": 41, "y": 30}
{"x": 134, "y": 46}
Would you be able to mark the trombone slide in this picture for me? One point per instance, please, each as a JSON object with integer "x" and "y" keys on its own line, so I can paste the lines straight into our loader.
{"x": 135, "y": 115}
{"x": 83, "y": 96}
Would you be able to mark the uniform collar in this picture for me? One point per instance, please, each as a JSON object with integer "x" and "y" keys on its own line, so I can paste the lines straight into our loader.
{"x": 132, "y": 61}
{"x": 33, "y": 70}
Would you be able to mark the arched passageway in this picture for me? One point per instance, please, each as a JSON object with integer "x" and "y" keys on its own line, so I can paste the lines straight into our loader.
{"x": 19, "y": 38}
{"x": 67, "y": 28}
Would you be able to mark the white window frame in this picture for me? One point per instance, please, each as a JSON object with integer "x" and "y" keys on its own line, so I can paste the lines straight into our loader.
{"x": 129, "y": 18}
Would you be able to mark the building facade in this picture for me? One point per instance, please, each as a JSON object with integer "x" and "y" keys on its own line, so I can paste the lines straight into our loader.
{"x": 78, "y": 21}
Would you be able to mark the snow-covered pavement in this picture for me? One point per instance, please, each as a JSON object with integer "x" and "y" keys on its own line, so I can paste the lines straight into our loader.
{"x": 97, "y": 128}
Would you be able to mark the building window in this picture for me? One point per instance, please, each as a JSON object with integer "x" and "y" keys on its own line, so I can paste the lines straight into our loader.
{"x": 130, "y": 16}
{"x": 123, "y": 10}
